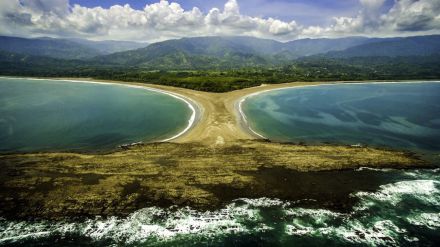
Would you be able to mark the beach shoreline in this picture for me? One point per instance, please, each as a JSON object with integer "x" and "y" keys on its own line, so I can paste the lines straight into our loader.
{"x": 246, "y": 126}
{"x": 192, "y": 105}
{"x": 167, "y": 174}
{"x": 217, "y": 160}
{"x": 217, "y": 118}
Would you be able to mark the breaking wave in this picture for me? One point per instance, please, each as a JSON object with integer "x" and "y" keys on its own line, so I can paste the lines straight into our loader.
{"x": 406, "y": 212}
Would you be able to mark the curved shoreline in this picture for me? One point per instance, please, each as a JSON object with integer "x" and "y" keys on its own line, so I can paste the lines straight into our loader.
{"x": 217, "y": 118}
{"x": 213, "y": 162}
{"x": 243, "y": 119}
{"x": 242, "y": 116}
{"x": 192, "y": 105}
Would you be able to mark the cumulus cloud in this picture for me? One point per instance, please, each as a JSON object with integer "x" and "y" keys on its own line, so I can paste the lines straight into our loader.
{"x": 165, "y": 20}
{"x": 410, "y": 15}
{"x": 405, "y": 17}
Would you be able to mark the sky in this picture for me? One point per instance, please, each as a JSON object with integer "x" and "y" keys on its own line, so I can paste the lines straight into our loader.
{"x": 156, "y": 20}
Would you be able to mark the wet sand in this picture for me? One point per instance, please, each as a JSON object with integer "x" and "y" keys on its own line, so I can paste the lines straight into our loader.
{"x": 218, "y": 120}
{"x": 216, "y": 161}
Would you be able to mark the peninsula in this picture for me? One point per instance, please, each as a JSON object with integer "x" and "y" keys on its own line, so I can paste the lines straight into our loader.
{"x": 216, "y": 161}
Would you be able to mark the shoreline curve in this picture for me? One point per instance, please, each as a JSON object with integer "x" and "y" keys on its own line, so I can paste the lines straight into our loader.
{"x": 218, "y": 118}
{"x": 192, "y": 105}
{"x": 244, "y": 123}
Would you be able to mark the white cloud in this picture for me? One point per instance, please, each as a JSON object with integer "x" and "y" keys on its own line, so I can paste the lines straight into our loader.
{"x": 405, "y": 17}
{"x": 410, "y": 15}
{"x": 165, "y": 20}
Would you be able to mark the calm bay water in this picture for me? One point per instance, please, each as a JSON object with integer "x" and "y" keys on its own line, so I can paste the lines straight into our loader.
{"x": 390, "y": 207}
{"x": 397, "y": 115}
{"x": 48, "y": 115}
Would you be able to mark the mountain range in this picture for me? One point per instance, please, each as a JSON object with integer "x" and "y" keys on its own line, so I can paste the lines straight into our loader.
{"x": 220, "y": 64}
{"x": 217, "y": 52}
{"x": 65, "y": 48}
{"x": 225, "y": 52}
{"x": 393, "y": 47}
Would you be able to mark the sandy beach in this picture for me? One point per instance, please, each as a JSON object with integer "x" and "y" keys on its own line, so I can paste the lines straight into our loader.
{"x": 218, "y": 159}
{"x": 218, "y": 120}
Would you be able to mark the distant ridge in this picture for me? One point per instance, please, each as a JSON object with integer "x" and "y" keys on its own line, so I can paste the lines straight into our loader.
{"x": 220, "y": 64}
{"x": 231, "y": 52}
{"x": 218, "y": 52}
{"x": 393, "y": 47}
{"x": 308, "y": 47}
{"x": 228, "y": 51}
{"x": 64, "y": 48}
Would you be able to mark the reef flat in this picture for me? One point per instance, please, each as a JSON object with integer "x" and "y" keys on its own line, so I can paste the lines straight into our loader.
{"x": 60, "y": 185}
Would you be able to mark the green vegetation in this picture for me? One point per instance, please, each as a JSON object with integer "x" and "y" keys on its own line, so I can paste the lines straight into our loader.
{"x": 65, "y": 48}
{"x": 220, "y": 64}
{"x": 315, "y": 68}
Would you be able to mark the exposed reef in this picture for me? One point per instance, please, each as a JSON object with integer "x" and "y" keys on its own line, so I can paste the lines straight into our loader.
{"x": 58, "y": 185}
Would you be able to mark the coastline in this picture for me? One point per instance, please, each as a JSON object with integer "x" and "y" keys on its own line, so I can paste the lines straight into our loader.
{"x": 215, "y": 161}
{"x": 247, "y": 126}
{"x": 167, "y": 174}
{"x": 217, "y": 118}
{"x": 243, "y": 119}
{"x": 192, "y": 105}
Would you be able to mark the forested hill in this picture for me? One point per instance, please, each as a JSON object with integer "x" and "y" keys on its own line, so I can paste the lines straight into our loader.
{"x": 222, "y": 64}
{"x": 226, "y": 52}
{"x": 64, "y": 48}
{"x": 199, "y": 53}
{"x": 396, "y": 47}
{"x": 233, "y": 52}
{"x": 217, "y": 52}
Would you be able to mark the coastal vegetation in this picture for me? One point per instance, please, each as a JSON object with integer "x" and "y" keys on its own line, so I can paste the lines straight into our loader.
{"x": 221, "y": 64}
{"x": 187, "y": 123}
{"x": 215, "y": 162}
{"x": 224, "y": 80}
{"x": 181, "y": 173}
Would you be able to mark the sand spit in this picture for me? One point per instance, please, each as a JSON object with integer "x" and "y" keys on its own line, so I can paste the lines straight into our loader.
{"x": 217, "y": 118}
{"x": 217, "y": 160}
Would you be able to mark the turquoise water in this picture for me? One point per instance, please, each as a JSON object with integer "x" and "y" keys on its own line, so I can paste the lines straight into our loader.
{"x": 397, "y": 115}
{"x": 49, "y": 115}
{"x": 404, "y": 210}
{"x": 387, "y": 207}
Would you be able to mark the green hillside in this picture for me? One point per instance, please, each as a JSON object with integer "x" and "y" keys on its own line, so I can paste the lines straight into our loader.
{"x": 64, "y": 48}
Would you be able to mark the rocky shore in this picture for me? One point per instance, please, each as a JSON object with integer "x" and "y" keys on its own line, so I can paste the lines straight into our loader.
{"x": 60, "y": 185}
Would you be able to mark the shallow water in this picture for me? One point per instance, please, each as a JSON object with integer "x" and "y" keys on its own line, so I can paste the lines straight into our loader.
{"x": 396, "y": 115}
{"x": 48, "y": 115}
{"x": 404, "y": 212}
{"x": 385, "y": 207}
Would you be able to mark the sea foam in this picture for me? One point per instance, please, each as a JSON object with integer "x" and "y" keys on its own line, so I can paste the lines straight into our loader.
{"x": 380, "y": 218}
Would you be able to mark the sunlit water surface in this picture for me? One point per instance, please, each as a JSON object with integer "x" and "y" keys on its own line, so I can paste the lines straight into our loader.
{"x": 402, "y": 208}
{"x": 396, "y": 115}
{"x": 49, "y": 115}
